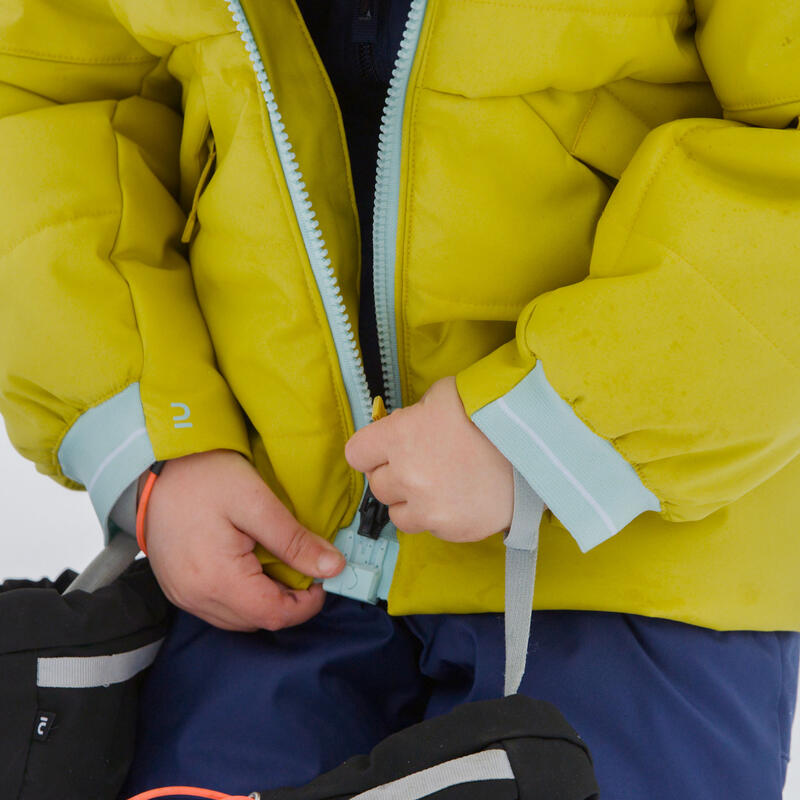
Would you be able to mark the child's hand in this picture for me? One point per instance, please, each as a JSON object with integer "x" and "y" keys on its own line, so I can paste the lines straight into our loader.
{"x": 206, "y": 512}
{"x": 435, "y": 469}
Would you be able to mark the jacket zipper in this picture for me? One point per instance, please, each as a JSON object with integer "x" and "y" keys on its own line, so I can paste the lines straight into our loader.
{"x": 387, "y": 205}
{"x": 384, "y": 238}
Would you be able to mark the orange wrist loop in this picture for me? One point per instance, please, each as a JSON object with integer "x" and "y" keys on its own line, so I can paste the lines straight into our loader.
{"x": 141, "y": 509}
{"x": 186, "y": 791}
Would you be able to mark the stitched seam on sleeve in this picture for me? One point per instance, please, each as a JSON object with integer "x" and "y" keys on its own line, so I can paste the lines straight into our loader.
{"x": 65, "y": 59}
{"x": 628, "y": 107}
{"x": 119, "y": 211}
{"x": 111, "y": 256}
{"x": 724, "y": 297}
{"x": 525, "y": 98}
{"x": 645, "y": 191}
{"x": 41, "y": 229}
{"x": 774, "y": 102}
{"x": 584, "y": 121}
{"x": 668, "y": 505}
{"x": 111, "y": 260}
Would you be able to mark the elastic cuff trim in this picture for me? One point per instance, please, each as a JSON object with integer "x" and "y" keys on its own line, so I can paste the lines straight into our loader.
{"x": 106, "y": 449}
{"x": 581, "y": 478}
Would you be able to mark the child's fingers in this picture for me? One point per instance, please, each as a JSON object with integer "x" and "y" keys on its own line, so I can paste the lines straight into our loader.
{"x": 236, "y": 595}
{"x": 407, "y": 519}
{"x": 367, "y": 448}
{"x": 383, "y": 483}
{"x": 256, "y": 601}
{"x": 266, "y": 520}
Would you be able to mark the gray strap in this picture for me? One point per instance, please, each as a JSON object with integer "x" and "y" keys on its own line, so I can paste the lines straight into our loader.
{"x": 86, "y": 672}
{"x": 108, "y": 565}
{"x": 488, "y": 765}
{"x": 522, "y": 548}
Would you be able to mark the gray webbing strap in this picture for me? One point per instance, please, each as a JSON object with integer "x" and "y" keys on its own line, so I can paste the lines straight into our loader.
{"x": 86, "y": 672}
{"x": 488, "y": 765}
{"x": 111, "y": 562}
{"x": 522, "y": 548}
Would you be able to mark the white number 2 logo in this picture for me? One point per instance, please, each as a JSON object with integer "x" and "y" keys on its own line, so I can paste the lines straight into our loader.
{"x": 180, "y": 419}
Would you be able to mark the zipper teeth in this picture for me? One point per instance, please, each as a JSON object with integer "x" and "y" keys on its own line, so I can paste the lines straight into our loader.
{"x": 344, "y": 336}
{"x": 384, "y": 228}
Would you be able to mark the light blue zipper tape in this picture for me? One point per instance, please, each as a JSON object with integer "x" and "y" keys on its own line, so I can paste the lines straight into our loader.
{"x": 387, "y": 204}
{"x": 344, "y": 337}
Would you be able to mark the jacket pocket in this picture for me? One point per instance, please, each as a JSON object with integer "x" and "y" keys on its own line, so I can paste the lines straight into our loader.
{"x": 197, "y": 154}
{"x": 202, "y": 181}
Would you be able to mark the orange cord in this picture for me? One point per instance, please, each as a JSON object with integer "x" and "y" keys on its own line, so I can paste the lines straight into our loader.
{"x": 142, "y": 510}
{"x": 186, "y": 791}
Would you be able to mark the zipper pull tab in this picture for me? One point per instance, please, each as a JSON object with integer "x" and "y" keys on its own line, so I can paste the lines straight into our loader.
{"x": 374, "y": 514}
{"x": 378, "y": 409}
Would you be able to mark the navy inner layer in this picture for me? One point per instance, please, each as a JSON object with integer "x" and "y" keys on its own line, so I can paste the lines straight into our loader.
{"x": 358, "y": 41}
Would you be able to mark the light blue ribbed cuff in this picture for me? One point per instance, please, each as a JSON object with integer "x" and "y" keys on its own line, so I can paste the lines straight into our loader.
{"x": 581, "y": 478}
{"x": 106, "y": 449}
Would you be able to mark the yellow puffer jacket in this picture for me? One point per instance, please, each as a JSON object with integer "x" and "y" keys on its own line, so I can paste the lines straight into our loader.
{"x": 587, "y": 212}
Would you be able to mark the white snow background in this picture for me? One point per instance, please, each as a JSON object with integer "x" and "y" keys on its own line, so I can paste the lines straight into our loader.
{"x": 45, "y": 528}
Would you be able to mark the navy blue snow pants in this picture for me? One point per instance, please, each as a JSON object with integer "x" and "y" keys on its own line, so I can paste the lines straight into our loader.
{"x": 669, "y": 711}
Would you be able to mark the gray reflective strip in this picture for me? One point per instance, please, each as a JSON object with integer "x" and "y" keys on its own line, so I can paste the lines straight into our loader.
{"x": 85, "y": 672}
{"x": 522, "y": 548}
{"x": 490, "y": 765}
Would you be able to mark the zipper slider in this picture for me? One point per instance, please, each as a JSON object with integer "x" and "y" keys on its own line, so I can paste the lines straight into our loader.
{"x": 365, "y": 9}
{"x": 365, "y": 25}
{"x": 374, "y": 514}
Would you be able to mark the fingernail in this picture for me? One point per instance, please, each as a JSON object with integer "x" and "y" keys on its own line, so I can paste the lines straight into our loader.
{"x": 329, "y": 562}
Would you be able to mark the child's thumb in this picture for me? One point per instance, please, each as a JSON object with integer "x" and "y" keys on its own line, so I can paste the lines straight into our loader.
{"x": 272, "y": 525}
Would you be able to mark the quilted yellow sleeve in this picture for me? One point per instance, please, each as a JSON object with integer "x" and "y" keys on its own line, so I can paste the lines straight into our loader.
{"x": 105, "y": 361}
{"x": 669, "y": 379}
